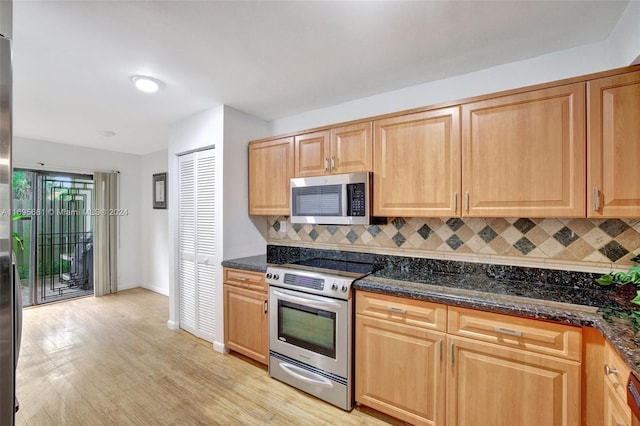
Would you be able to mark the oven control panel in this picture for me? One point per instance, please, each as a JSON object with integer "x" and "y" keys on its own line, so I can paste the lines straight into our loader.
{"x": 335, "y": 286}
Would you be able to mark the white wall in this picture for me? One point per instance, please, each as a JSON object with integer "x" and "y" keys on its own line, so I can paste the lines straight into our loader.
{"x": 624, "y": 42}
{"x": 154, "y": 257}
{"x": 542, "y": 69}
{"x": 243, "y": 235}
{"x": 197, "y": 132}
{"x": 621, "y": 49}
{"x": 28, "y": 153}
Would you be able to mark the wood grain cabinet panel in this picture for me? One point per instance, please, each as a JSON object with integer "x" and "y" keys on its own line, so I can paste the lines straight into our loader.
{"x": 246, "y": 323}
{"x": 492, "y": 385}
{"x": 312, "y": 154}
{"x": 614, "y": 146}
{"x": 345, "y": 149}
{"x": 498, "y": 369}
{"x": 270, "y": 172}
{"x": 523, "y": 333}
{"x": 245, "y": 279}
{"x": 524, "y": 155}
{"x": 400, "y": 370}
{"x": 402, "y": 310}
{"x": 351, "y": 148}
{"x": 416, "y": 164}
{"x": 616, "y": 411}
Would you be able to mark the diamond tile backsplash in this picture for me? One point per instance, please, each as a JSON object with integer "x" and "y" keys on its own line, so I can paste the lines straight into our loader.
{"x": 590, "y": 242}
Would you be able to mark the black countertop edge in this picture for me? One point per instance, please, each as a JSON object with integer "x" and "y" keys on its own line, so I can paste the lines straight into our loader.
{"x": 618, "y": 332}
{"x": 251, "y": 263}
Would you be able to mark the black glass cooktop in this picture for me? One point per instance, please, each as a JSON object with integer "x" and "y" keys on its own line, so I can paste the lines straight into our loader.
{"x": 339, "y": 265}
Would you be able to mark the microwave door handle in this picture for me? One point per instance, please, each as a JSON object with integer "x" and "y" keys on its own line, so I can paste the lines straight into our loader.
{"x": 345, "y": 197}
{"x": 320, "y": 304}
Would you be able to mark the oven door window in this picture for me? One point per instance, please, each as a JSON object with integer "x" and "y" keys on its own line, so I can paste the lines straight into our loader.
{"x": 309, "y": 328}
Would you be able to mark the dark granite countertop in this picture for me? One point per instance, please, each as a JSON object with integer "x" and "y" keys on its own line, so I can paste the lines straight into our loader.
{"x": 251, "y": 263}
{"x": 562, "y": 296}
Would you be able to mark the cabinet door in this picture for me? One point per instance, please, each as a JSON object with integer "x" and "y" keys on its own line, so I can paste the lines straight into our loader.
{"x": 312, "y": 154}
{"x": 270, "y": 172}
{"x": 616, "y": 412}
{"x": 614, "y": 146}
{"x": 416, "y": 164}
{"x": 524, "y": 154}
{"x": 351, "y": 149}
{"x": 246, "y": 322}
{"x": 491, "y": 385}
{"x": 400, "y": 371}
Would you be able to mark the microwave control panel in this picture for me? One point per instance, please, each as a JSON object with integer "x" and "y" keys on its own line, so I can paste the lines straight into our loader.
{"x": 356, "y": 199}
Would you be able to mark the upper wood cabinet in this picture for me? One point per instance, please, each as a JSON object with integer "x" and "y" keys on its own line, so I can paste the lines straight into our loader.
{"x": 270, "y": 172}
{"x": 343, "y": 149}
{"x": 416, "y": 166}
{"x": 613, "y": 148}
{"x": 524, "y": 155}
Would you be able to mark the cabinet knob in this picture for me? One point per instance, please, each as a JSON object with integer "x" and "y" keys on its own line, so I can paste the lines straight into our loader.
{"x": 608, "y": 370}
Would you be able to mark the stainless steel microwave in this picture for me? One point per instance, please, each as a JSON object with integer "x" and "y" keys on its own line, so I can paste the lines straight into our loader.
{"x": 333, "y": 200}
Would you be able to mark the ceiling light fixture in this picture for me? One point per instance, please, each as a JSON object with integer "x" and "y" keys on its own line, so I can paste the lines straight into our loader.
{"x": 146, "y": 84}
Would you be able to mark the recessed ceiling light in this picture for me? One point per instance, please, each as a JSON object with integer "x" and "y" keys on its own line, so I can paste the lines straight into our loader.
{"x": 146, "y": 84}
{"x": 107, "y": 133}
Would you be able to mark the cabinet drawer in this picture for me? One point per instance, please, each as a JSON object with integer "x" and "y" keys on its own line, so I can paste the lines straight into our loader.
{"x": 245, "y": 279}
{"x": 617, "y": 372}
{"x": 402, "y": 310}
{"x": 531, "y": 335}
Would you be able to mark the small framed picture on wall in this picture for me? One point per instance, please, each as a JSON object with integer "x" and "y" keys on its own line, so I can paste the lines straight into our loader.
{"x": 160, "y": 191}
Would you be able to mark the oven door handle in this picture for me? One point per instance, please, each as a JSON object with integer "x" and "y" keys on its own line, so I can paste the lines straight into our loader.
{"x": 313, "y": 303}
{"x": 294, "y": 371}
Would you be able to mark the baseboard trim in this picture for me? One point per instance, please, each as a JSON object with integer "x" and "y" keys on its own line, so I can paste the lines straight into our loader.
{"x": 220, "y": 347}
{"x": 173, "y": 325}
{"x": 156, "y": 289}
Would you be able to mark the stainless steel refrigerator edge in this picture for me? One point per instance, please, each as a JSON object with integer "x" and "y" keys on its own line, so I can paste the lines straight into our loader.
{"x": 8, "y": 310}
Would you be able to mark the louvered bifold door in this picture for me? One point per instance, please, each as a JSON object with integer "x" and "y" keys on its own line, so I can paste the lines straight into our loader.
{"x": 205, "y": 244}
{"x": 197, "y": 235}
{"x": 187, "y": 242}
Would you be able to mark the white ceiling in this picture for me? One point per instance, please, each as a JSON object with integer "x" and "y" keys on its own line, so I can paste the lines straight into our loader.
{"x": 73, "y": 60}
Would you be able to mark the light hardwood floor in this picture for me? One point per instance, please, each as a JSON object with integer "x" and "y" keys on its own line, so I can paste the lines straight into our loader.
{"x": 113, "y": 361}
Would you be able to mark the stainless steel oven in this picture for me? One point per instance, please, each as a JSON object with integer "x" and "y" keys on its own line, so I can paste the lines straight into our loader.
{"x": 310, "y": 329}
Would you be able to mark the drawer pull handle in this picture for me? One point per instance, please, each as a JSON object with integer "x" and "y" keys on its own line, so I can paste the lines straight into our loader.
{"x": 608, "y": 370}
{"x": 398, "y": 310}
{"x": 440, "y": 349}
{"x": 596, "y": 200}
{"x": 242, "y": 279}
{"x": 507, "y": 331}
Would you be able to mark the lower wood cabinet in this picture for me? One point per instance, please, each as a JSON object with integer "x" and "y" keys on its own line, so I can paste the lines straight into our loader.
{"x": 616, "y": 373}
{"x": 492, "y": 385}
{"x": 246, "y": 325}
{"x": 400, "y": 371}
{"x": 408, "y": 359}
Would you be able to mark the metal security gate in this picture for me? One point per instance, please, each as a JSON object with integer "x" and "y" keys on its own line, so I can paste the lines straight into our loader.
{"x": 64, "y": 228}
